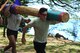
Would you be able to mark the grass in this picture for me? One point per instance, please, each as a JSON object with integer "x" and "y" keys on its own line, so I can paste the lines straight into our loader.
{"x": 53, "y": 45}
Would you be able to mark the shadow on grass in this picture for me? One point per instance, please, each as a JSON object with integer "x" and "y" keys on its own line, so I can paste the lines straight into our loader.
{"x": 65, "y": 48}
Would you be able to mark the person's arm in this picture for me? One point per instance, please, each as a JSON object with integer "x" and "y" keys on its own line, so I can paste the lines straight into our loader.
{"x": 25, "y": 28}
{"x": 23, "y": 40}
{"x": 30, "y": 24}
{"x": 24, "y": 31}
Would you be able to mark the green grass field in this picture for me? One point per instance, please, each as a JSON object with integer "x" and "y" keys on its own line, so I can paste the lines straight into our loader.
{"x": 53, "y": 45}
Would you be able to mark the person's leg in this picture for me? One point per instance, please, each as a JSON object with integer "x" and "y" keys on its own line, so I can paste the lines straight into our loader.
{"x": 12, "y": 40}
{"x": 39, "y": 47}
{"x": 16, "y": 35}
{"x": 8, "y": 36}
{"x": 8, "y": 46}
{"x": 12, "y": 43}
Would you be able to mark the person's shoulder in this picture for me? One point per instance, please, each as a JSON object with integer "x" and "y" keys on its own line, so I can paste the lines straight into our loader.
{"x": 33, "y": 19}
